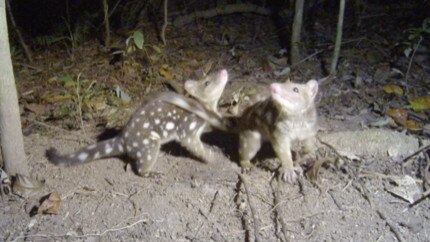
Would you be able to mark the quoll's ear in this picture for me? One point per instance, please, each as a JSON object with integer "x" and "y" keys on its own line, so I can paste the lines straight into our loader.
{"x": 288, "y": 80}
{"x": 312, "y": 87}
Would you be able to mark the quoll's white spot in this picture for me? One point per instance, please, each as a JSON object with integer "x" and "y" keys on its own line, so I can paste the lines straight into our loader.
{"x": 138, "y": 154}
{"x": 138, "y": 134}
{"x": 145, "y": 125}
{"x": 169, "y": 114}
{"x": 82, "y": 156}
{"x": 132, "y": 125}
{"x": 154, "y": 135}
{"x": 120, "y": 148}
{"x": 135, "y": 144}
{"x": 90, "y": 147}
{"x": 142, "y": 112}
{"x": 188, "y": 140}
{"x": 170, "y": 125}
{"x": 192, "y": 125}
{"x": 96, "y": 155}
{"x": 108, "y": 149}
{"x": 149, "y": 157}
{"x": 174, "y": 111}
{"x": 186, "y": 119}
{"x": 157, "y": 121}
{"x": 151, "y": 113}
{"x": 128, "y": 148}
{"x": 137, "y": 120}
{"x": 158, "y": 109}
{"x": 165, "y": 133}
{"x": 126, "y": 134}
{"x": 145, "y": 141}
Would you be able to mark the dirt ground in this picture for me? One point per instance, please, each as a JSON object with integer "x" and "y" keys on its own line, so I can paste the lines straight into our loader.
{"x": 192, "y": 201}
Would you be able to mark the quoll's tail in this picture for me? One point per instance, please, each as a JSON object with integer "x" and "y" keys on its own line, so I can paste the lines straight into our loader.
{"x": 108, "y": 148}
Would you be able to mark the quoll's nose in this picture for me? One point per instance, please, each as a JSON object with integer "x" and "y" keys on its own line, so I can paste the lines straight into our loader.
{"x": 275, "y": 88}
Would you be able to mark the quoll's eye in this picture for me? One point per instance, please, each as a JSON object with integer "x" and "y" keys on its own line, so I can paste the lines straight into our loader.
{"x": 206, "y": 83}
{"x": 296, "y": 90}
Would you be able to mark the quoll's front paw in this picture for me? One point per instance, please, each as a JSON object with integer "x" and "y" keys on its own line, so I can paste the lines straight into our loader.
{"x": 246, "y": 166}
{"x": 289, "y": 175}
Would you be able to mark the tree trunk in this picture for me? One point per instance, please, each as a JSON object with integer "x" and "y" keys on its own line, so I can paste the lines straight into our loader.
{"x": 336, "y": 51}
{"x": 11, "y": 140}
{"x": 295, "y": 36}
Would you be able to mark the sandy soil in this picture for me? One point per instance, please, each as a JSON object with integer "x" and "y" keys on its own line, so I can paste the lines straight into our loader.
{"x": 193, "y": 201}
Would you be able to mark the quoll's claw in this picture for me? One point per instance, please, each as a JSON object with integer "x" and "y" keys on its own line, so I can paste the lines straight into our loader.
{"x": 246, "y": 169}
{"x": 290, "y": 176}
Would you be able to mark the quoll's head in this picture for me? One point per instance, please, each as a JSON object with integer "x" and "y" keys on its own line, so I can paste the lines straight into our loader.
{"x": 209, "y": 89}
{"x": 294, "y": 97}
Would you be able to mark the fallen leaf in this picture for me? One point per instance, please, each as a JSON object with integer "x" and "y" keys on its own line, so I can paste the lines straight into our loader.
{"x": 97, "y": 104}
{"x": 406, "y": 188}
{"x": 58, "y": 98}
{"x": 399, "y": 115}
{"x": 382, "y": 73}
{"x": 165, "y": 73}
{"x": 420, "y": 103}
{"x": 393, "y": 89}
{"x": 312, "y": 173}
{"x": 51, "y": 204}
{"x": 36, "y": 108}
{"x": 412, "y": 125}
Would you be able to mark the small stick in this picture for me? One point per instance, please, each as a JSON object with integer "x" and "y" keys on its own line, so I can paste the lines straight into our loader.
{"x": 421, "y": 198}
{"x": 163, "y": 29}
{"x": 81, "y": 236}
{"x": 253, "y": 212}
{"x": 278, "y": 210}
{"x": 406, "y": 160}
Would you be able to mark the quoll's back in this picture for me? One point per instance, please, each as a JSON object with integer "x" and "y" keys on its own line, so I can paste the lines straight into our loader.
{"x": 164, "y": 118}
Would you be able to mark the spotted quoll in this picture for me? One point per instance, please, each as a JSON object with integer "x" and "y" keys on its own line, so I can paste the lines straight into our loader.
{"x": 287, "y": 117}
{"x": 166, "y": 117}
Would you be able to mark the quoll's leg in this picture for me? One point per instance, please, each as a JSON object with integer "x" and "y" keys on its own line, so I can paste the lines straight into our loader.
{"x": 282, "y": 148}
{"x": 146, "y": 157}
{"x": 194, "y": 145}
{"x": 309, "y": 145}
{"x": 249, "y": 145}
{"x": 307, "y": 155}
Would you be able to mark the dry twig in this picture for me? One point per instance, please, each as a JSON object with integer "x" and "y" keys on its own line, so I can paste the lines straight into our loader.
{"x": 80, "y": 236}
{"x": 276, "y": 197}
{"x": 251, "y": 206}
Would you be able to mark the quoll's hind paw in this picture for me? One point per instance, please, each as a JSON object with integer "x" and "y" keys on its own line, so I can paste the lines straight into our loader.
{"x": 289, "y": 175}
{"x": 152, "y": 175}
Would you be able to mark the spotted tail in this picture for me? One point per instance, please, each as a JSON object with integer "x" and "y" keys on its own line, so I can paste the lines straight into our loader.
{"x": 108, "y": 148}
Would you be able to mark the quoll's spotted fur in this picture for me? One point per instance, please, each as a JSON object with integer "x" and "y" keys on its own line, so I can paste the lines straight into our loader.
{"x": 288, "y": 116}
{"x": 165, "y": 118}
